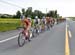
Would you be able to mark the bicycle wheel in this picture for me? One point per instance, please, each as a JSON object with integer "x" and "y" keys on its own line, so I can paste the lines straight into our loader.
{"x": 21, "y": 39}
{"x": 34, "y": 34}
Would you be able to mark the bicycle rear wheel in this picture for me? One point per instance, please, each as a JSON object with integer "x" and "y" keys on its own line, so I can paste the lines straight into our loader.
{"x": 21, "y": 39}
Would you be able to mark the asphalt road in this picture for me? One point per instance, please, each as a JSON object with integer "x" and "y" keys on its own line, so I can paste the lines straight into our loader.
{"x": 71, "y": 27}
{"x": 48, "y": 43}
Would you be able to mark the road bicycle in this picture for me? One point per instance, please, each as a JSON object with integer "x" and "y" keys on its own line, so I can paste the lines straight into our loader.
{"x": 23, "y": 36}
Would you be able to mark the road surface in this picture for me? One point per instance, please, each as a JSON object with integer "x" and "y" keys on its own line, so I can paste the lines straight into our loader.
{"x": 48, "y": 43}
{"x": 71, "y": 28}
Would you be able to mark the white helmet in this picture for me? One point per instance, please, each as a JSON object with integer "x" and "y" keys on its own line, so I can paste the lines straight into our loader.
{"x": 36, "y": 17}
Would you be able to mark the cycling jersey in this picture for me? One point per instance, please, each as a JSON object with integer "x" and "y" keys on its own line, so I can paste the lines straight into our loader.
{"x": 26, "y": 23}
{"x": 36, "y": 21}
{"x": 48, "y": 20}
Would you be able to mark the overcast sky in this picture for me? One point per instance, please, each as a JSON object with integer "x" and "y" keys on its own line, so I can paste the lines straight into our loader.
{"x": 64, "y": 7}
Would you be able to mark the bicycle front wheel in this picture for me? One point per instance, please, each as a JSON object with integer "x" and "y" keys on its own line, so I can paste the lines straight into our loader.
{"x": 21, "y": 39}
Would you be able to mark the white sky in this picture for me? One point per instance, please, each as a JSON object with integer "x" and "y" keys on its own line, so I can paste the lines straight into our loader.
{"x": 64, "y": 7}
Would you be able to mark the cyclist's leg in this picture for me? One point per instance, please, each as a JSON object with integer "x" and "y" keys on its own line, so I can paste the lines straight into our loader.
{"x": 27, "y": 33}
{"x": 47, "y": 25}
{"x": 24, "y": 29}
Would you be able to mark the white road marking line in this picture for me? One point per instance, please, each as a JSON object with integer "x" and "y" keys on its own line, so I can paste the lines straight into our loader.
{"x": 70, "y": 35}
{"x": 8, "y": 39}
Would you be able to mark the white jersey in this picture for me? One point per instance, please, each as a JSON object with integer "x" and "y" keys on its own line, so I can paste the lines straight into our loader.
{"x": 39, "y": 21}
{"x": 36, "y": 21}
{"x": 44, "y": 21}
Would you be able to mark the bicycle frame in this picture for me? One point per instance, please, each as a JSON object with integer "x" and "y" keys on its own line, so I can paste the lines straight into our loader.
{"x": 26, "y": 34}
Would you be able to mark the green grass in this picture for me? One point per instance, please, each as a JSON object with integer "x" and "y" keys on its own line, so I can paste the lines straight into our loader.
{"x": 9, "y": 24}
{"x": 9, "y": 20}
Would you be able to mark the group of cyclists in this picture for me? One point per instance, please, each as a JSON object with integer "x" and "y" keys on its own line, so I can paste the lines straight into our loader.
{"x": 37, "y": 23}
{"x": 27, "y": 22}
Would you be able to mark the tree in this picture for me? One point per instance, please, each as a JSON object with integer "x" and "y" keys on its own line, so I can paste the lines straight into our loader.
{"x": 14, "y": 16}
{"x": 23, "y": 11}
{"x": 18, "y": 14}
{"x": 29, "y": 11}
{"x": 52, "y": 14}
{"x": 2, "y": 16}
{"x": 56, "y": 15}
{"x": 38, "y": 13}
{"x": 33, "y": 15}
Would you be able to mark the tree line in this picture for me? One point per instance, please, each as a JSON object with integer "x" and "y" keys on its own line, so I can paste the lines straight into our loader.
{"x": 32, "y": 14}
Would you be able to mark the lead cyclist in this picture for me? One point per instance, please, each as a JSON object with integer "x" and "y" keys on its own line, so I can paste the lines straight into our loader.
{"x": 26, "y": 23}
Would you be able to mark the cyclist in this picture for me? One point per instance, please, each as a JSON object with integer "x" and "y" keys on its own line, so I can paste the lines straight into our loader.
{"x": 51, "y": 22}
{"x": 36, "y": 22}
{"x": 48, "y": 22}
{"x": 26, "y": 21}
{"x": 43, "y": 22}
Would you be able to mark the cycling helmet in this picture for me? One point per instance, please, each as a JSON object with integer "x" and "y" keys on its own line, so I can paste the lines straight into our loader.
{"x": 36, "y": 17}
{"x": 22, "y": 17}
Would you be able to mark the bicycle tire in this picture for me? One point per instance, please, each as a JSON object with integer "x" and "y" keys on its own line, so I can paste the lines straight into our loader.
{"x": 20, "y": 44}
